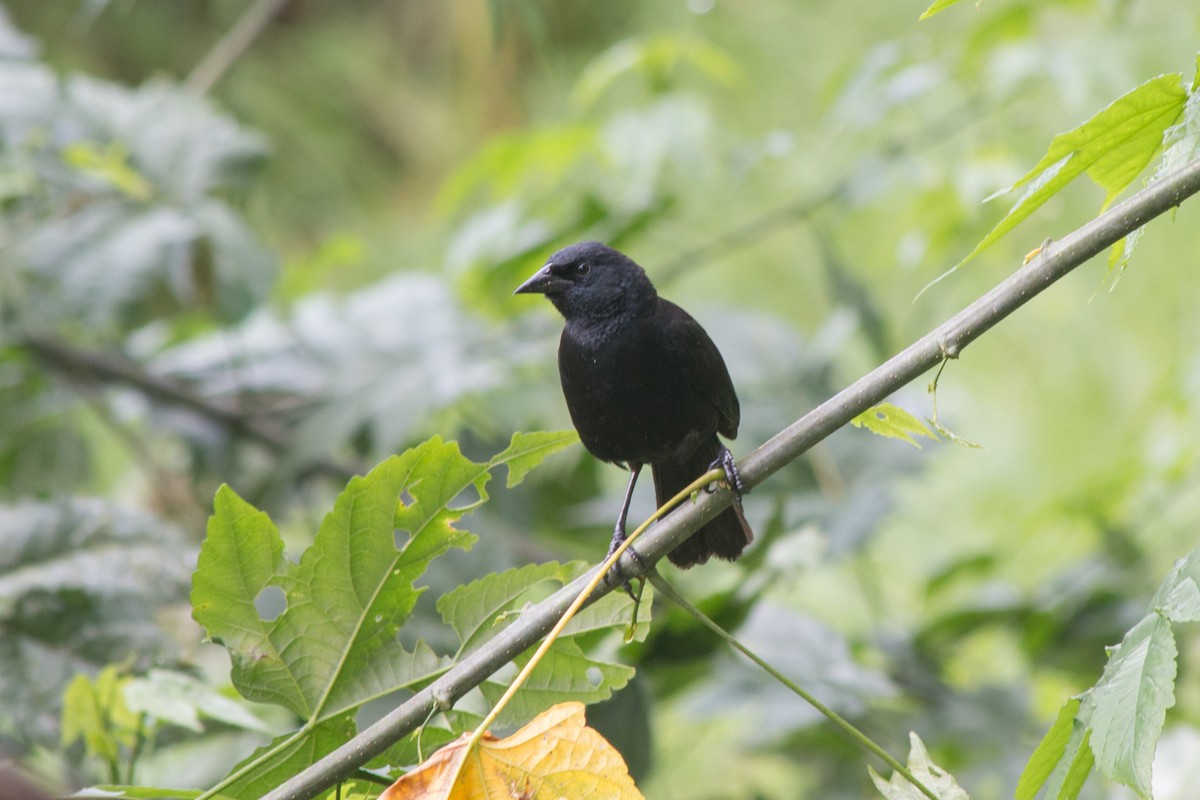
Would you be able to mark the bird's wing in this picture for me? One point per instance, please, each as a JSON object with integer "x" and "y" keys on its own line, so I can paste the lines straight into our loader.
{"x": 691, "y": 347}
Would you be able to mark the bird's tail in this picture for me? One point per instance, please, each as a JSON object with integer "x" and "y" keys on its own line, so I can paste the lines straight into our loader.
{"x": 726, "y": 535}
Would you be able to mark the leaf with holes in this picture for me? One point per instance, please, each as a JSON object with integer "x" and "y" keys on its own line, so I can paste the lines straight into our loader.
{"x": 334, "y": 646}
{"x": 893, "y": 422}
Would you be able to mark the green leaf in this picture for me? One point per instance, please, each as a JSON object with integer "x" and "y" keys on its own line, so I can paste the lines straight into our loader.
{"x": 564, "y": 673}
{"x": 1049, "y": 752}
{"x": 109, "y": 165}
{"x": 1182, "y": 143}
{"x": 95, "y": 713}
{"x": 1178, "y": 596}
{"x": 180, "y": 699}
{"x": 894, "y": 422}
{"x": 1126, "y": 708}
{"x": 269, "y": 766}
{"x": 335, "y": 646}
{"x": 1066, "y": 784}
{"x": 938, "y": 6}
{"x": 474, "y": 609}
{"x": 527, "y": 450}
{"x": 1113, "y": 148}
{"x": 933, "y": 777}
{"x": 241, "y": 556}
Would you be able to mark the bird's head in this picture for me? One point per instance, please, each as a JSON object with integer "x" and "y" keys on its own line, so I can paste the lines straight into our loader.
{"x": 591, "y": 280}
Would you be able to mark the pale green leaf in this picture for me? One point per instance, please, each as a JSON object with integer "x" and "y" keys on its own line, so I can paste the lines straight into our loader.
{"x": 1178, "y": 597}
{"x": 527, "y": 450}
{"x": 1182, "y": 144}
{"x": 1126, "y": 708}
{"x": 894, "y": 422}
{"x": 1112, "y": 148}
{"x": 933, "y": 777}
{"x": 95, "y": 713}
{"x": 181, "y": 699}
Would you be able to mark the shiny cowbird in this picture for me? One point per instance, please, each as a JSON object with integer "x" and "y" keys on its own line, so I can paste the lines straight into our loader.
{"x": 645, "y": 385}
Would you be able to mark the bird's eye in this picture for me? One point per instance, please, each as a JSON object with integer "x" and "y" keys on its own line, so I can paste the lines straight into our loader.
{"x": 582, "y": 268}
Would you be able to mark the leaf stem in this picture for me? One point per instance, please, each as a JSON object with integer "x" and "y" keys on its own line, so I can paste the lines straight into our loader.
{"x": 847, "y": 727}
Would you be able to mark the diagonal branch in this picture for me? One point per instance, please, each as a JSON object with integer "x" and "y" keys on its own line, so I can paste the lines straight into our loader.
{"x": 99, "y": 367}
{"x": 230, "y": 48}
{"x": 947, "y": 341}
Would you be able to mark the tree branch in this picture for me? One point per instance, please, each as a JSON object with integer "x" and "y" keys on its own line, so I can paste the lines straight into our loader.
{"x": 947, "y": 341}
{"x": 231, "y": 46}
{"x": 116, "y": 368}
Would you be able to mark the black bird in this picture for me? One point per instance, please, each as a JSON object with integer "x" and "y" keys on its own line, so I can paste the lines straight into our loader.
{"x": 644, "y": 385}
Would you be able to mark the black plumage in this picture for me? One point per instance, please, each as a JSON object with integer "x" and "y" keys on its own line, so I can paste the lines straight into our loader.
{"x": 644, "y": 385}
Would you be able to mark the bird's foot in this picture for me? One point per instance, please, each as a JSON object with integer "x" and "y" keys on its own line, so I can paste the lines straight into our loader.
{"x": 733, "y": 478}
{"x": 614, "y": 576}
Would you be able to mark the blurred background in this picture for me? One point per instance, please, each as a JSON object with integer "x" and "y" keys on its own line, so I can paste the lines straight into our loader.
{"x": 270, "y": 243}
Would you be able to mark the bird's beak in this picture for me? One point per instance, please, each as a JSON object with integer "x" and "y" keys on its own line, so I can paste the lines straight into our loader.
{"x": 542, "y": 282}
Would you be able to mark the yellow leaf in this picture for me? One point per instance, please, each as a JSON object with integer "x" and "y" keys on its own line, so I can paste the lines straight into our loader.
{"x": 556, "y": 756}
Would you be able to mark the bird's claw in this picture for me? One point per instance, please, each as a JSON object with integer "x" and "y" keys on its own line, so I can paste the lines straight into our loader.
{"x": 733, "y": 478}
{"x": 614, "y": 576}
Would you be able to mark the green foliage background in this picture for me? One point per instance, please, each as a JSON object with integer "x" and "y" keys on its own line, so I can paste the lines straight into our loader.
{"x": 316, "y": 254}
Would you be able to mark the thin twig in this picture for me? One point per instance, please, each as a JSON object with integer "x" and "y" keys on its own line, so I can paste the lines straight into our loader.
{"x": 231, "y": 46}
{"x": 116, "y": 368}
{"x": 847, "y": 727}
{"x": 948, "y": 339}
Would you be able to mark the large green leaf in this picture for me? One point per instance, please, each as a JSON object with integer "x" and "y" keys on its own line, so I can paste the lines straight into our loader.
{"x": 1112, "y": 148}
{"x": 1126, "y": 708}
{"x": 335, "y": 644}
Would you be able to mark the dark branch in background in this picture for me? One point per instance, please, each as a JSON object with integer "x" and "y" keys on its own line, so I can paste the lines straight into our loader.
{"x": 947, "y": 341}
{"x": 231, "y": 46}
{"x": 97, "y": 367}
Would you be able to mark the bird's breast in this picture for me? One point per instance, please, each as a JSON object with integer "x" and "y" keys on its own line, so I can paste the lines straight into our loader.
{"x": 627, "y": 397}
